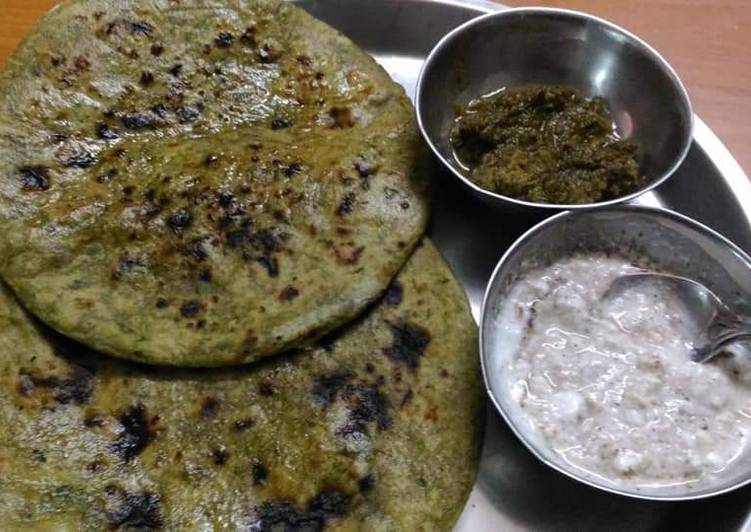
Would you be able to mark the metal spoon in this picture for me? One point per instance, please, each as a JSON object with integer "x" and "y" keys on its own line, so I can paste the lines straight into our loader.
{"x": 721, "y": 324}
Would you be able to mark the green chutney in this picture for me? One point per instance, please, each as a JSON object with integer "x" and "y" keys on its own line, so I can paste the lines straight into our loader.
{"x": 545, "y": 144}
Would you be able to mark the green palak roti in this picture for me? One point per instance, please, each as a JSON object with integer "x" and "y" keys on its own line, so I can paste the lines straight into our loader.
{"x": 376, "y": 429}
{"x": 201, "y": 183}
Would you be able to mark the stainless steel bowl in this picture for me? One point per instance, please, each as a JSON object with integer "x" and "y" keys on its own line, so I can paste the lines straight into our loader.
{"x": 675, "y": 243}
{"x": 552, "y": 46}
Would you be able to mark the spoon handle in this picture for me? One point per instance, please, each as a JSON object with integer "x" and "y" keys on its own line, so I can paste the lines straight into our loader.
{"x": 718, "y": 343}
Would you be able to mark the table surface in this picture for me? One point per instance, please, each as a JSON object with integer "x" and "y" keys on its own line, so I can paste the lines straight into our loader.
{"x": 707, "y": 41}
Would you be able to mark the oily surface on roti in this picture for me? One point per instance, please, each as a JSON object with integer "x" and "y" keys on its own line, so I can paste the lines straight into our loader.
{"x": 376, "y": 429}
{"x": 201, "y": 183}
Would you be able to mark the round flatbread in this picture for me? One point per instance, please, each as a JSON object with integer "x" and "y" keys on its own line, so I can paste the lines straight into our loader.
{"x": 378, "y": 428}
{"x": 201, "y": 183}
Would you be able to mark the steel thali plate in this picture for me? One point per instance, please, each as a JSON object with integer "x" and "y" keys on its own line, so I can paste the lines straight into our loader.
{"x": 513, "y": 490}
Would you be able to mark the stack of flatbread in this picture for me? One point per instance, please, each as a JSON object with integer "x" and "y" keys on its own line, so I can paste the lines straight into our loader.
{"x": 219, "y": 309}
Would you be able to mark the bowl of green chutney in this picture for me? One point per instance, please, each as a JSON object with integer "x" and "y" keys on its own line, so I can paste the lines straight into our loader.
{"x": 543, "y": 109}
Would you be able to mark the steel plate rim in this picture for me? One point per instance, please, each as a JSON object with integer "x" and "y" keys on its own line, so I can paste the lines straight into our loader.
{"x": 723, "y": 160}
{"x": 483, "y": 6}
{"x": 530, "y": 233}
